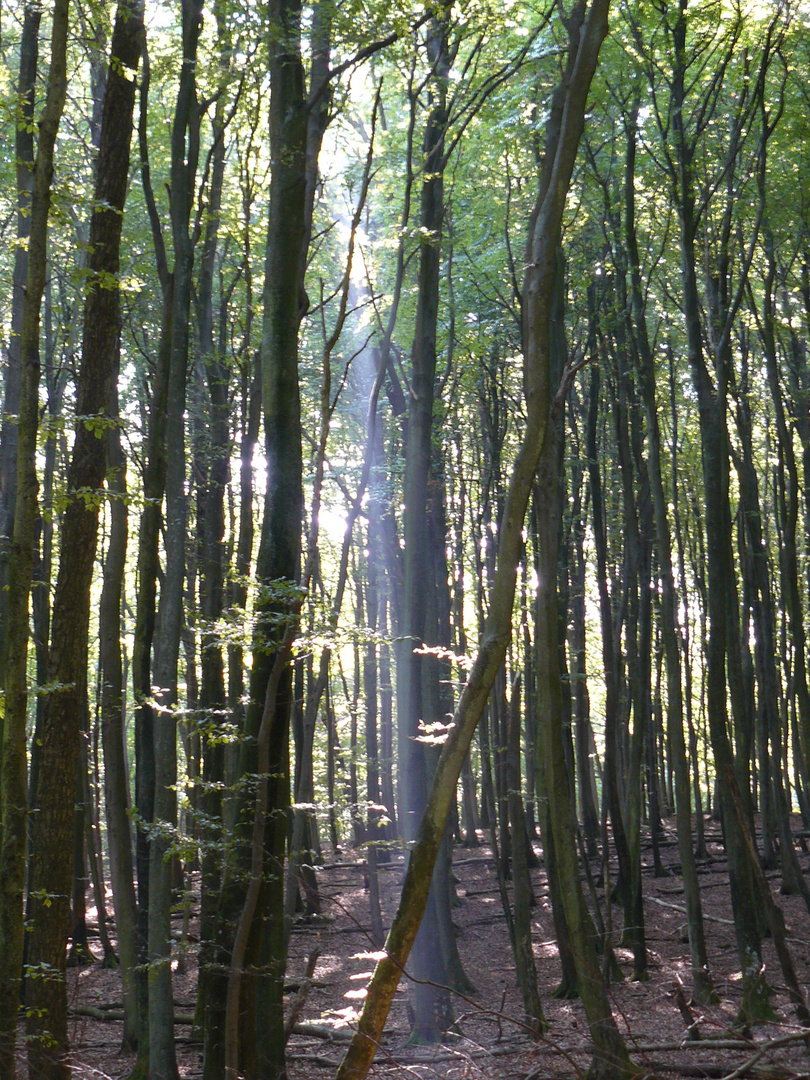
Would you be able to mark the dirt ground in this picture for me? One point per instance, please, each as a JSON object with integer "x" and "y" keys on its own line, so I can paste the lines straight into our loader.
{"x": 492, "y": 1043}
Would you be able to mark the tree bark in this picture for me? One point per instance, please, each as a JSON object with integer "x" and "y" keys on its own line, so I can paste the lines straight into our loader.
{"x": 586, "y": 38}
{"x": 701, "y": 978}
{"x": 278, "y": 566}
{"x": 24, "y": 156}
{"x": 50, "y": 881}
{"x": 712, "y": 410}
{"x": 14, "y": 794}
{"x": 185, "y": 146}
{"x": 116, "y": 782}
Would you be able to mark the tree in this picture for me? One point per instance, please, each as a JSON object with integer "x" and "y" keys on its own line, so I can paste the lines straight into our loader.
{"x": 13, "y": 797}
{"x": 53, "y": 818}
{"x": 586, "y": 32}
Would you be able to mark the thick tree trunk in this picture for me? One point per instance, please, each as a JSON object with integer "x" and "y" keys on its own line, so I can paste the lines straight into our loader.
{"x": 278, "y": 567}
{"x": 417, "y": 674}
{"x": 47, "y": 1023}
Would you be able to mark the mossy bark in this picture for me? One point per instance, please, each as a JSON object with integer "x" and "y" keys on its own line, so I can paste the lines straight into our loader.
{"x": 62, "y": 719}
{"x": 564, "y": 131}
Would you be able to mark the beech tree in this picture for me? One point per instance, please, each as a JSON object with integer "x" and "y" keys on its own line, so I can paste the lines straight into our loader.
{"x": 586, "y": 33}
{"x": 370, "y": 299}
{"x": 49, "y": 888}
{"x": 13, "y": 778}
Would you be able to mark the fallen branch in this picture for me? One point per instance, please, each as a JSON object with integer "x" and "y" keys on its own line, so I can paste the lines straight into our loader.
{"x": 772, "y": 1044}
{"x": 682, "y": 911}
{"x": 315, "y": 1031}
{"x": 323, "y": 1031}
{"x": 315, "y": 1059}
{"x": 102, "y": 1013}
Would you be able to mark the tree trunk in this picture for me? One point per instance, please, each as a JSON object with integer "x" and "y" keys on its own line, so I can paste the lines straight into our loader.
{"x": 278, "y": 567}
{"x": 564, "y": 132}
{"x": 712, "y": 406}
{"x": 116, "y": 782}
{"x": 185, "y": 142}
{"x": 701, "y": 978}
{"x": 610, "y": 656}
{"x": 14, "y": 794}
{"x": 585, "y": 746}
{"x": 47, "y": 1023}
{"x": 24, "y": 157}
{"x": 417, "y": 675}
{"x": 521, "y": 882}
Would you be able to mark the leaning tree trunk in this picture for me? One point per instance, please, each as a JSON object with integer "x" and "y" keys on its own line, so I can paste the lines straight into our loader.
{"x": 565, "y": 129}
{"x": 50, "y": 874}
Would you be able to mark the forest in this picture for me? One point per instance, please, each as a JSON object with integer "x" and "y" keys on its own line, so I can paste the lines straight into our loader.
{"x": 404, "y": 538}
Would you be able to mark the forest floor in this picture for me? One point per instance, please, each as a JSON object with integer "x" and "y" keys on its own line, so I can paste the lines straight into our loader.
{"x": 491, "y": 1042}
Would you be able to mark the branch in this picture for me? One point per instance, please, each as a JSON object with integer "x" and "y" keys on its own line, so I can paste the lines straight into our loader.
{"x": 358, "y": 58}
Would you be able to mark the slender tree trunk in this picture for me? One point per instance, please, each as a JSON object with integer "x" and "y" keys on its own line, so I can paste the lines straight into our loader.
{"x": 212, "y": 983}
{"x": 585, "y": 746}
{"x": 116, "y": 782}
{"x": 701, "y": 978}
{"x": 638, "y": 634}
{"x": 521, "y": 883}
{"x": 610, "y": 658}
{"x": 14, "y": 794}
{"x": 24, "y": 157}
{"x": 154, "y": 485}
{"x": 185, "y": 143}
{"x": 787, "y": 494}
{"x": 610, "y": 1056}
{"x": 712, "y": 407}
{"x": 564, "y": 131}
{"x": 79, "y": 953}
